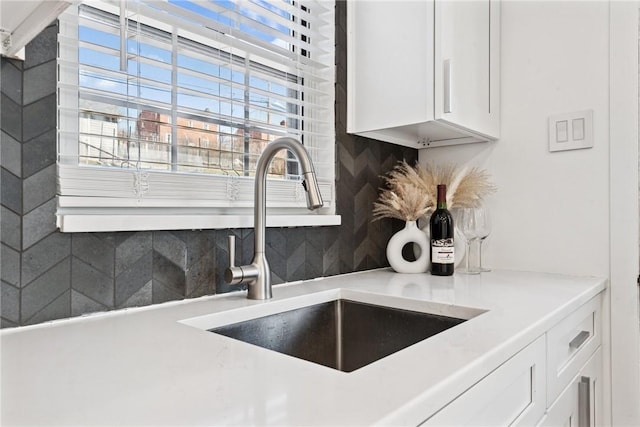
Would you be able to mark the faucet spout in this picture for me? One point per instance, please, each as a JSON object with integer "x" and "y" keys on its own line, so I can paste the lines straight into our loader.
{"x": 258, "y": 274}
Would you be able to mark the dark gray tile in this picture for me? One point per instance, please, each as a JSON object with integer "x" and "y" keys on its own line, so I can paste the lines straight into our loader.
{"x": 364, "y": 204}
{"x": 246, "y": 245}
{"x": 295, "y": 237}
{"x": 94, "y": 251}
{"x": 200, "y": 244}
{"x": 39, "y": 153}
{"x": 11, "y": 81}
{"x": 39, "y": 188}
{"x": 129, "y": 251}
{"x": 295, "y": 264}
{"x": 10, "y": 268}
{"x": 11, "y": 117}
{"x": 200, "y": 278}
{"x": 44, "y": 255}
{"x": 39, "y": 117}
{"x": 167, "y": 273}
{"x": 42, "y": 48}
{"x": 81, "y": 304}
{"x": 11, "y": 188}
{"x": 346, "y": 161}
{"x": 39, "y": 81}
{"x": 276, "y": 241}
{"x": 132, "y": 280}
{"x": 10, "y": 154}
{"x": 10, "y": 302}
{"x": 341, "y": 20}
{"x": 5, "y": 323}
{"x": 346, "y": 255}
{"x": 277, "y": 263}
{"x": 10, "y": 226}
{"x": 313, "y": 252}
{"x": 276, "y": 280}
{"x": 162, "y": 294}
{"x": 330, "y": 260}
{"x": 170, "y": 247}
{"x": 118, "y": 238}
{"x": 60, "y": 308}
{"x": 92, "y": 283}
{"x": 143, "y": 297}
{"x": 39, "y": 223}
{"x": 19, "y": 64}
{"x": 45, "y": 289}
{"x": 360, "y": 254}
{"x": 341, "y": 104}
{"x": 379, "y": 233}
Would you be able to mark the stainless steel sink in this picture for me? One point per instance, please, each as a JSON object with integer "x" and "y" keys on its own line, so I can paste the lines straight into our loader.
{"x": 341, "y": 334}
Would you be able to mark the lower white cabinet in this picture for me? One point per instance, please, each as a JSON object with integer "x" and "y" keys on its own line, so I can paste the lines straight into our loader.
{"x": 579, "y": 404}
{"x": 554, "y": 381}
{"x": 570, "y": 343}
{"x": 513, "y": 394}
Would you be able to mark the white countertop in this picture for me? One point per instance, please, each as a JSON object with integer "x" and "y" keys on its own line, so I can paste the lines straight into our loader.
{"x": 145, "y": 367}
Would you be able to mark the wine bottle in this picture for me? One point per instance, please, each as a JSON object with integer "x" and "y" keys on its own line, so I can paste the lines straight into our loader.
{"x": 441, "y": 227}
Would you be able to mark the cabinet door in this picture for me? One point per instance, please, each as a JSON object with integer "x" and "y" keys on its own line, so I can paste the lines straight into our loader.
{"x": 467, "y": 64}
{"x": 580, "y": 404}
{"x": 511, "y": 395}
{"x": 389, "y": 64}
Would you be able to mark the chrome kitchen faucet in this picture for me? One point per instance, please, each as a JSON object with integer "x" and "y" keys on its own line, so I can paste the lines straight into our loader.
{"x": 258, "y": 274}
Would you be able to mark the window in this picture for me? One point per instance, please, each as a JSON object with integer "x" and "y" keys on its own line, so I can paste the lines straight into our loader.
{"x": 165, "y": 107}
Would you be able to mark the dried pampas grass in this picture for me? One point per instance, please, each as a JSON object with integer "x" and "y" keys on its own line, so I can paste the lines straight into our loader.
{"x": 472, "y": 187}
{"x": 404, "y": 197}
{"x": 412, "y": 191}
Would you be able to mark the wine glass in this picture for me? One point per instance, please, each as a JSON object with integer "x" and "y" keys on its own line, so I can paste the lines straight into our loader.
{"x": 483, "y": 229}
{"x": 466, "y": 222}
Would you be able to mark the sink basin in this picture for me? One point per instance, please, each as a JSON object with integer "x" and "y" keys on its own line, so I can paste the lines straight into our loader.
{"x": 344, "y": 329}
{"x": 341, "y": 334}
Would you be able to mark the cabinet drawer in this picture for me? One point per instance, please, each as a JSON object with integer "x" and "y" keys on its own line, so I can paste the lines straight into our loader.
{"x": 513, "y": 394}
{"x": 570, "y": 344}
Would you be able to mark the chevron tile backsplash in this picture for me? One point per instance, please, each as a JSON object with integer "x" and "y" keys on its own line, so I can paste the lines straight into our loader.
{"x": 48, "y": 275}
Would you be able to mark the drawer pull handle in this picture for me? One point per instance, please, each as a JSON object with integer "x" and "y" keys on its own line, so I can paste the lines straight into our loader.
{"x": 579, "y": 339}
{"x": 584, "y": 402}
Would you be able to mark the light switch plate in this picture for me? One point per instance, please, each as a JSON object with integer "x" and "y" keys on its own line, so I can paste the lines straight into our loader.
{"x": 571, "y": 131}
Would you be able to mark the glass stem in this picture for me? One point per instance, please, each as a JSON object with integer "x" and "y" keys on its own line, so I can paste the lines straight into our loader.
{"x": 468, "y": 255}
{"x": 480, "y": 254}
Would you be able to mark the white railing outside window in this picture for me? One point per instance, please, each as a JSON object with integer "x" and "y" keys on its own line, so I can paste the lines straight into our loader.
{"x": 164, "y": 107}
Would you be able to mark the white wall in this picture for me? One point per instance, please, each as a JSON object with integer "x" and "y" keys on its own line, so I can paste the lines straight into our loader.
{"x": 551, "y": 211}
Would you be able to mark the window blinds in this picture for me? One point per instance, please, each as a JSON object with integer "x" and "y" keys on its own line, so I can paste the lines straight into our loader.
{"x": 169, "y": 103}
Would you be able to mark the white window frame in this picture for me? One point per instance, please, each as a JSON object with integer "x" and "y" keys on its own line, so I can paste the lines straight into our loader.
{"x": 94, "y": 199}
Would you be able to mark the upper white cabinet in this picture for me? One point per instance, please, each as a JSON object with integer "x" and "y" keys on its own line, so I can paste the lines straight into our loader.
{"x": 424, "y": 73}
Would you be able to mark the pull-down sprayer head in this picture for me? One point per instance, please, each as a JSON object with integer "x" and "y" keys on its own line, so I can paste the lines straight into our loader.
{"x": 310, "y": 184}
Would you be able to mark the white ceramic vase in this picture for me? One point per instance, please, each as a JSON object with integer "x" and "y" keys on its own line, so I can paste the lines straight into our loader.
{"x": 409, "y": 234}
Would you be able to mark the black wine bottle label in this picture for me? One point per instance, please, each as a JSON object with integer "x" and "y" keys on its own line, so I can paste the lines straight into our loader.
{"x": 442, "y": 251}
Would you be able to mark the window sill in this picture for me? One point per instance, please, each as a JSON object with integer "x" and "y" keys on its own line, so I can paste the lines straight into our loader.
{"x": 78, "y": 223}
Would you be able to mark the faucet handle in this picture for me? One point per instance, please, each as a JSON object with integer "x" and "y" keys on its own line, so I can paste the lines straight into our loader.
{"x": 232, "y": 250}
{"x": 233, "y": 275}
